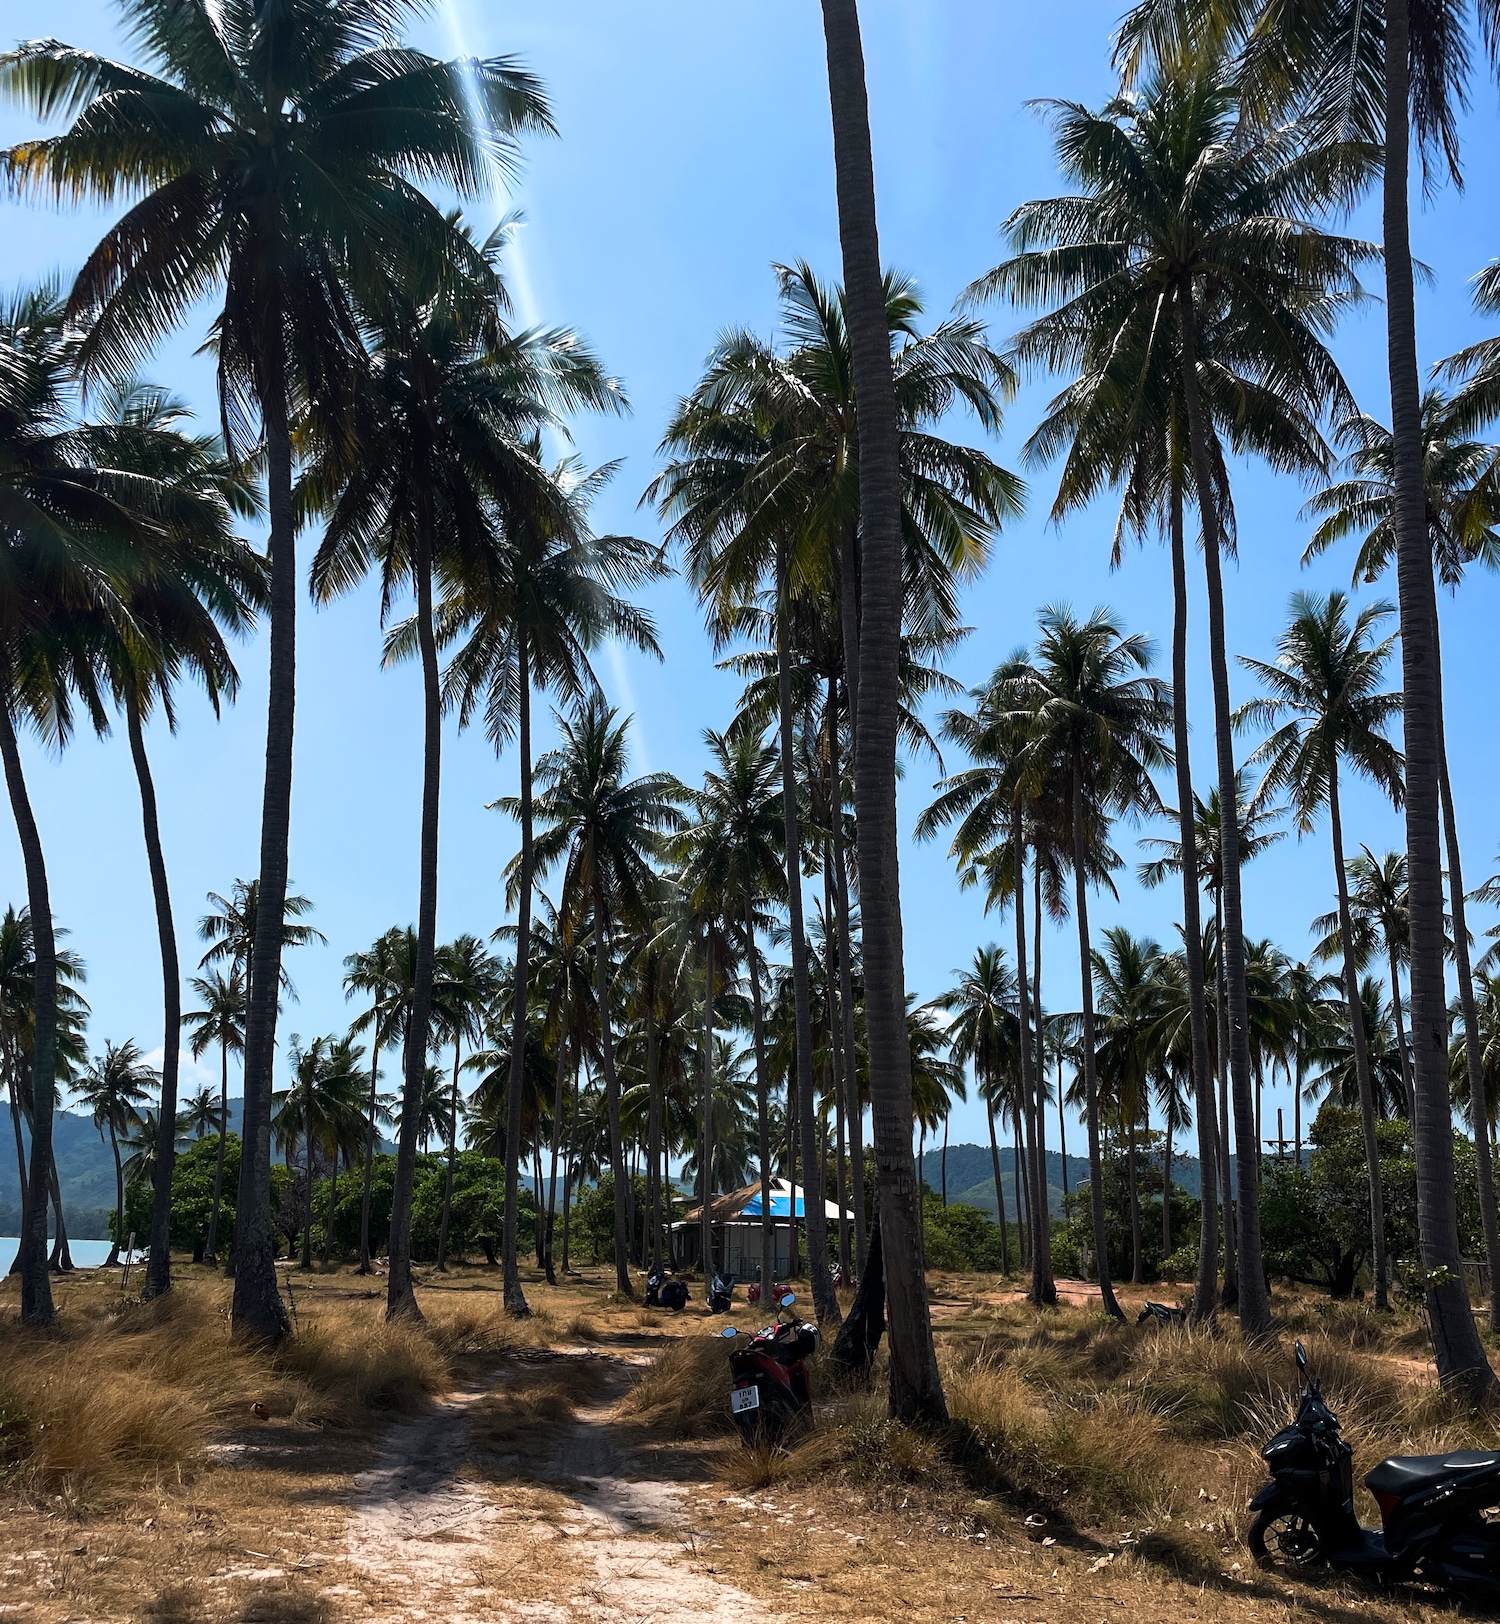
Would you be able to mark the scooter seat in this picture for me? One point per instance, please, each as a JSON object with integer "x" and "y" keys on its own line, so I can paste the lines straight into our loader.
{"x": 1402, "y": 1474}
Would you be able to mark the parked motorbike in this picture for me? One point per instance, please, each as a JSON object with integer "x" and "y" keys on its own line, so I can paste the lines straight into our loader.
{"x": 720, "y": 1293}
{"x": 752, "y": 1292}
{"x": 662, "y": 1291}
{"x": 771, "y": 1394}
{"x": 1440, "y": 1514}
{"x": 1162, "y": 1314}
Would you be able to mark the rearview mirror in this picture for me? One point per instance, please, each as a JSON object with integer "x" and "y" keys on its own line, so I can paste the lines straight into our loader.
{"x": 1301, "y": 1357}
{"x": 729, "y": 1331}
{"x": 788, "y": 1300}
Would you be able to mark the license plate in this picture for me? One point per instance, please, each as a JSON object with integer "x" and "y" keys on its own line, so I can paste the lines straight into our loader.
{"x": 744, "y": 1398}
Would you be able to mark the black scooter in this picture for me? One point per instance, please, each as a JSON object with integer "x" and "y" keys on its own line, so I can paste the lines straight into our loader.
{"x": 662, "y": 1291}
{"x": 720, "y": 1293}
{"x": 1440, "y": 1514}
{"x": 771, "y": 1393}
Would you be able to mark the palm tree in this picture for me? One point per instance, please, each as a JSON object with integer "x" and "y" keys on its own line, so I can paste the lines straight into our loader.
{"x": 1324, "y": 706}
{"x": 738, "y": 811}
{"x": 916, "y": 1390}
{"x": 1377, "y": 910}
{"x": 220, "y": 1022}
{"x": 1096, "y": 717}
{"x": 71, "y": 541}
{"x": 997, "y": 803}
{"x": 1383, "y": 75}
{"x": 1462, "y": 502}
{"x": 984, "y": 1032}
{"x": 196, "y": 577}
{"x": 1336, "y": 1059}
{"x": 530, "y": 623}
{"x": 606, "y": 828}
{"x": 466, "y": 984}
{"x": 199, "y": 1114}
{"x": 1256, "y": 833}
{"x": 228, "y": 931}
{"x": 1487, "y": 1001}
{"x": 440, "y": 451}
{"x": 274, "y": 157}
{"x": 1193, "y": 296}
{"x": 18, "y": 989}
{"x": 1126, "y": 988}
{"x": 383, "y": 972}
{"x": 115, "y": 1084}
{"x": 323, "y": 1108}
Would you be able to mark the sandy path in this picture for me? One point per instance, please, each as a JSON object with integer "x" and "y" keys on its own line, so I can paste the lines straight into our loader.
{"x": 443, "y": 1529}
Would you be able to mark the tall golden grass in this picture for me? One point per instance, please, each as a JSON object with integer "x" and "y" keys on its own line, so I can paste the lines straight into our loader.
{"x": 119, "y": 1395}
{"x": 1088, "y": 1420}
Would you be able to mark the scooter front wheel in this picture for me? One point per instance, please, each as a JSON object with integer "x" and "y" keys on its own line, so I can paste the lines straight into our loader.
{"x": 1281, "y": 1537}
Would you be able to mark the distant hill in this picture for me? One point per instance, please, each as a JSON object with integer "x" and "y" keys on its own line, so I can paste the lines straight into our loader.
{"x": 971, "y": 1176}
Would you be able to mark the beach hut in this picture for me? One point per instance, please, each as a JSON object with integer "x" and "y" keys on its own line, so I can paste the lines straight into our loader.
{"x": 736, "y": 1221}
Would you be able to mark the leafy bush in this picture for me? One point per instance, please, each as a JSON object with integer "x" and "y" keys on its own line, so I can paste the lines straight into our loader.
{"x": 961, "y": 1237}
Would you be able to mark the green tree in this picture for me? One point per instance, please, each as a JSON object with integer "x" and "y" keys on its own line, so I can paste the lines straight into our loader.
{"x": 274, "y": 158}
{"x": 323, "y": 1109}
{"x": 1323, "y": 707}
{"x": 1096, "y": 717}
{"x": 116, "y": 1083}
{"x": 984, "y": 1032}
{"x": 606, "y": 829}
{"x": 221, "y": 1023}
{"x": 1462, "y": 503}
{"x": 1385, "y": 76}
{"x": 466, "y": 984}
{"x": 530, "y": 624}
{"x": 1189, "y": 290}
{"x": 439, "y": 453}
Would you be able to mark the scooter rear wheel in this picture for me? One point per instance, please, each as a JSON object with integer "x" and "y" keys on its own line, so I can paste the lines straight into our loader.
{"x": 1279, "y": 1537}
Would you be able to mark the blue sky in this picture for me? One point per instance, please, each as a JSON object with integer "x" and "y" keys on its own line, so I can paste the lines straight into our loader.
{"x": 695, "y": 151}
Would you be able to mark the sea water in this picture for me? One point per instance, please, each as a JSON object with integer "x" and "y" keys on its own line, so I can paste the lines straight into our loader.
{"x": 86, "y": 1254}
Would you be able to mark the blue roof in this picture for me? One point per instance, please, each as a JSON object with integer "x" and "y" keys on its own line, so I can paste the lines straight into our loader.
{"x": 781, "y": 1206}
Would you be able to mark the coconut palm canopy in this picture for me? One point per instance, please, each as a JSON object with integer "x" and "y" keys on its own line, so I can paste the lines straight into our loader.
{"x": 690, "y": 576}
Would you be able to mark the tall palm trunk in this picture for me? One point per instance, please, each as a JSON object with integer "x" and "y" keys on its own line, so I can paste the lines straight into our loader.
{"x": 307, "y": 1221}
{"x": 916, "y": 1389}
{"x": 793, "y": 1256}
{"x": 1393, "y": 969}
{"x": 1361, "y": 1043}
{"x": 1166, "y": 1190}
{"x": 1043, "y": 1289}
{"x": 846, "y": 969}
{"x": 210, "y": 1252}
{"x": 1221, "y": 1128}
{"x": 815, "y": 1217}
{"x": 60, "y": 1261}
{"x": 835, "y": 1044}
{"x": 1090, "y": 1068}
{"x": 1045, "y": 1204}
{"x": 1132, "y": 1170}
{"x": 1206, "y": 1288}
{"x": 258, "y": 1312}
{"x": 453, "y": 1107}
{"x": 706, "y": 1115}
{"x": 114, "y": 1145}
{"x": 370, "y": 1137}
{"x": 401, "y": 1299}
{"x": 989, "y": 1117}
{"x": 333, "y": 1201}
{"x": 1024, "y": 1223}
{"x": 159, "y": 1264}
{"x": 31, "y": 1251}
{"x": 653, "y": 1128}
{"x": 762, "y": 1110}
{"x": 514, "y": 1296}
{"x": 611, "y": 1090}
{"x": 1459, "y": 1352}
{"x": 558, "y": 1097}
{"x": 1254, "y": 1298}
{"x": 1473, "y": 1064}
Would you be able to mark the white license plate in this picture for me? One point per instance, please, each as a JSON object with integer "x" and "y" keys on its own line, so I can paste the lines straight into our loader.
{"x": 744, "y": 1398}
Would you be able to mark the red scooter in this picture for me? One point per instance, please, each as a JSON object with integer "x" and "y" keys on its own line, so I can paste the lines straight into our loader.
{"x": 771, "y": 1393}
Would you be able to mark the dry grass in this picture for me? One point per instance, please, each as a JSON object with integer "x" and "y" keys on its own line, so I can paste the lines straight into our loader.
{"x": 122, "y": 1395}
